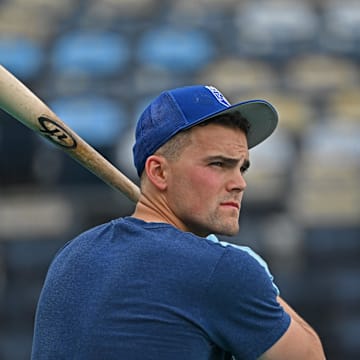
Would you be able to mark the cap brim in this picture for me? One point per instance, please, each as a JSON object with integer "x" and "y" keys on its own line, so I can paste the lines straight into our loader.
{"x": 261, "y": 115}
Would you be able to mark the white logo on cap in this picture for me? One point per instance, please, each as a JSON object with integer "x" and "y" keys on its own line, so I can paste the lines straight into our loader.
{"x": 219, "y": 96}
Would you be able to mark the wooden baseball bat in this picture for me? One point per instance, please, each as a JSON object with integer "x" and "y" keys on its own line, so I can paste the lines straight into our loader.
{"x": 21, "y": 103}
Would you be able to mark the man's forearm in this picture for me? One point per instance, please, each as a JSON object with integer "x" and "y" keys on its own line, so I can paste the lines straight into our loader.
{"x": 297, "y": 318}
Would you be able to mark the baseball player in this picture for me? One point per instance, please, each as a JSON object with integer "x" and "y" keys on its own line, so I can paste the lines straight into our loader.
{"x": 159, "y": 284}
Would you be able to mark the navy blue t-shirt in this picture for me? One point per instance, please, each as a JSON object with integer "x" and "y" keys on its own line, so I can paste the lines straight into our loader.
{"x": 138, "y": 291}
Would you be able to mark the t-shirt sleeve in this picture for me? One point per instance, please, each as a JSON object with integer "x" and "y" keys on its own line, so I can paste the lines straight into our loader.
{"x": 241, "y": 310}
{"x": 251, "y": 252}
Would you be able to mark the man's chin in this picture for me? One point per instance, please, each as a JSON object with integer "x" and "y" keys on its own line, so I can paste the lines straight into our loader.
{"x": 227, "y": 231}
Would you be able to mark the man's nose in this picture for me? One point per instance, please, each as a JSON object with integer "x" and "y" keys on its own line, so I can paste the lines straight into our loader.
{"x": 237, "y": 182}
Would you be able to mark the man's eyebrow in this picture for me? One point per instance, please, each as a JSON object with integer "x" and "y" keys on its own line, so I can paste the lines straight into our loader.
{"x": 229, "y": 161}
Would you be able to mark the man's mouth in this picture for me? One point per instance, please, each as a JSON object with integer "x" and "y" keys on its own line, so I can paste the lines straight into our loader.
{"x": 233, "y": 204}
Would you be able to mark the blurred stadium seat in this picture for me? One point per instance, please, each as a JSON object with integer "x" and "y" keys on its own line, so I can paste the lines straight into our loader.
{"x": 238, "y": 76}
{"x": 97, "y": 119}
{"x": 22, "y": 56}
{"x": 118, "y": 12}
{"x": 316, "y": 74}
{"x": 90, "y": 53}
{"x": 148, "y": 81}
{"x": 275, "y": 29}
{"x": 121, "y": 9}
{"x": 180, "y": 50}
{"x": 341, "y": 30}
{"x": 190, "y": 6}
{"x": 344, "y": 104}
{"x": 35, "y": 216}
{"x": 45, "y": 17}
{"x": 327, "y": 176}
{"x": 215, "y": 19}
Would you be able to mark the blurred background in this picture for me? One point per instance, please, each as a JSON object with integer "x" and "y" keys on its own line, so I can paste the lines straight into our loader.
{"x": 98, "y": 63}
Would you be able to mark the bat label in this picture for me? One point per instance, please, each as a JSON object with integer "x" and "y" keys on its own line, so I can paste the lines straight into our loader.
{"x": 56, "y": 133}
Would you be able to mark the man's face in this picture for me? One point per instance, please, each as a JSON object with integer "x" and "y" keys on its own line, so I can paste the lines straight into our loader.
{"x": 206, "y": 183}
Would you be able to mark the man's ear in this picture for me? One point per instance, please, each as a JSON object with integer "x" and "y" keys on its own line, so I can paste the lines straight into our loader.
{"x": 155, "y": 167}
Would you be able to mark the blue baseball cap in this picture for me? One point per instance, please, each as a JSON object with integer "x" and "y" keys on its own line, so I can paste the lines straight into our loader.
{"x": 181, "y": 108}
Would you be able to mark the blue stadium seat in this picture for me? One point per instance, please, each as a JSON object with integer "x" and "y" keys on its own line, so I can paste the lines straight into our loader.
{"x": 98, "y": 119}
{"x": 90, "y": 53}
{"x": 21, "y": 56}
{"x": 178, "y": 50}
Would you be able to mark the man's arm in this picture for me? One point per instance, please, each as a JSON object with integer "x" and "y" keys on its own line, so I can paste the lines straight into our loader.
{"x": 299, "y": 342}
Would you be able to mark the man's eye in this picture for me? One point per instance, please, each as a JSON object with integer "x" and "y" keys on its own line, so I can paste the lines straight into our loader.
{"x": 244, "y": 169}
{"x": 217, "y": 163}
